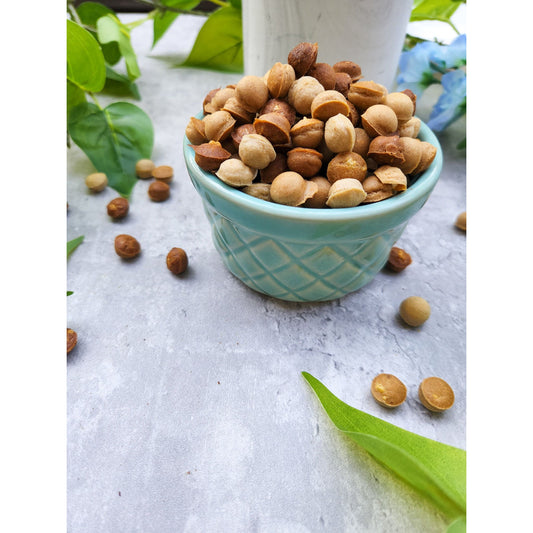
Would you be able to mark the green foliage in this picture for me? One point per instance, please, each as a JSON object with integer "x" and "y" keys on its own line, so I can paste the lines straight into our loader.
{"x": 73, "y": 244}
{"x": 441, "y": 10}
{"x": 437, "y": 471}
{"x": 164, "y": 18}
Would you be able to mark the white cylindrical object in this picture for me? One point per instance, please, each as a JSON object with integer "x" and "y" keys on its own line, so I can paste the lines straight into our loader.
{"x": 369, "y": 32}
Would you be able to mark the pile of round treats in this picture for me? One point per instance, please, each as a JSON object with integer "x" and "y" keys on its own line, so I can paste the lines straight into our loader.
{"x": 311, "y": 134}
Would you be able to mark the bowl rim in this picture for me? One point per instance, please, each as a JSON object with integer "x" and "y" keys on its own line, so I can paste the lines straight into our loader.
{"x": 419, "y": 189}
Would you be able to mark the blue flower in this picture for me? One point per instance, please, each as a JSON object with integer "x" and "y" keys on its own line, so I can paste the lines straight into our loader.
{"x": 455, "y": 53}
{"x": 452, "y": 102}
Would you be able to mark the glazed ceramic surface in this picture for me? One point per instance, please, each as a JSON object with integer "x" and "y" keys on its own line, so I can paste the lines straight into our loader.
{"x": 302, "y": 254}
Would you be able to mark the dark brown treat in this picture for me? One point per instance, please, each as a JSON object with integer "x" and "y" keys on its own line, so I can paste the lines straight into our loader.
{"x": 386, "y": 150}
{"x": 324, "y": 73}
{"x": 209, "y": 156}
{"x": 302, "y": 57}
{"x": 238, "y": 133}
{"x": 72, "y": 339}
{"x": 158, "y": 191}
{"x": 177, "y": 261}
{"x": 342, "y": 82}
{"x": 274, "y": 126}
{"x": 127, "y": 246}
{"x": 163, "y": 173}
{"x": 275, "y": 168}
{"x": 237, "y": 111}
{"x": 305, "y": 161}
{"x": 411, "y": 95}
{"x": 118, "y": 207}
{"x": 398, "y": 260}
{"x": 353, "y": 115}
{"x": 349, "y": 67}
{"x": 276, "y": 105}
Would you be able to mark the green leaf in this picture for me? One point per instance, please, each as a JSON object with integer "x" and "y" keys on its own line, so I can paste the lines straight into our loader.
{"x": 164, "y": 19}
{"x": 435, "y": 470}
{"x": 120, "y": 85}
{"x": 114, "y": 139}
{"x": 89, "y": 13}
{"x": 441, "y": 10}
{"x": 73, "y": 244}
{"x": 85, "y": 61}
{"x": 218, "y": 45}
{"x": 75, "y": 96}
{"x": 109, "y": 29}
{"x": 457, "y": 526}
{"x": 69, "y": 293}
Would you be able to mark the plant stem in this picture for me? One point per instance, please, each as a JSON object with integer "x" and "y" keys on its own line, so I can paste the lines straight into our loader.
{"x": 73, "y": 13}
{"x": 95, "y": 100}
{"x": 158, "y": 6}
{"x": 136, "y": 23}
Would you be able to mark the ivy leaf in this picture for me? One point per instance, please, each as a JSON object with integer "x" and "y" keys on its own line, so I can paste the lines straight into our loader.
{"x": 218, "y": 45}
{"x": 120, "y": 85}
{"x": 85, "y": 61}
{"x": 164, "y": 19}
{"x": 109, "y": 29}
{"x": 114, "y": 139}
{"x": 73, "y": 244}
{"x": 437, "y": 471}
{"x": 89, "y": 13}
{"x": 441, "y": 10}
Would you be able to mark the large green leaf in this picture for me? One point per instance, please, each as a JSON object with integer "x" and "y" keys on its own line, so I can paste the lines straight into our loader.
{"x": 75, "y": 96}
{"x": 164, "y": 19}
{"x": 109, "y": 29}
{"x": 218, "y": 45}
{"x": 114, "y": 139}
{"x": 117, "y": 84}
{"x": 435, "y": 470}
{"x": 441, "y": 10}
{"x": 85, "y": 61}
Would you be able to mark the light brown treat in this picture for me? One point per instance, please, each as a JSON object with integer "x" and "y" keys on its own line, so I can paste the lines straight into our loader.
{"x": 238, "y": 133}
{"x": 258, "y": 190}
{"x": 158, "y": 191}
{"x": 388, "y": 390}
{"x": 221, "y": 97}
{"x": 235, "y": 173}
{"x": 319, "y": 199}
{"x": 277, "y": 166}
{"x": 412, "y": 153}
{"x": 163, "y": 173}
{"x": 256, "y": 151}
{"x": 127, "y": 246}
{"x": 279, "y": 79}
{"x": 305, "y": 161}
{"x": 72, "y": 339}
{"x": 96, "y": 182}
{"x": 144, "y": 167}
{"x": 252, "y": 92}
{"x": 460, "y": 221}
{"x": 209, "y": 156}
{"x": 435, "y": 394}
{"x": 411, "y": 128}
{"x": 376, "y": 190}
{"x": 118, "y": 207}
{"x": 339, "y": 134}
{"x": 393, "y": 176}
{"x": 349, "y": 67}
{"x": 347, "y": 192}
{"x": 346, "y": 165}
{"x": 177, "y": 261}
{"x": 329, "y": 103}
{"x": 290, "y": 188}
{"x": 364, "y": 94}
{"x": 427, "y": 156}
{"x": 307, "y": 132}
{"x": 401, "y": 104}
{"x": 218, "y": 125}
{"x": 386, "y": 150}
{"x": 324, "y": 73}
{"x": 206, "y": 105}
{"x": 195, "y": 133}
{"x": 415, "y": 311}
{"x": 379, "y": 119}
{"x": 276, "y": 105}
{"x": 362, "y": 142}
{"x": 237, "y": 111}
{"x": 274, "y": 126}
{"x": 302, "y": 57}
{"x": 302, "y": 93}
{"x": 398, "y": 259}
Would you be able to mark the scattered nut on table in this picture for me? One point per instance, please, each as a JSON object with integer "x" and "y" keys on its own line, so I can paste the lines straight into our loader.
{"x": 163, "y": 173}
{"x": 388, "y": 390}
{"x": 72, "y": 339}
{"x": 127, "y": 246}
{"x": 96, "y": 182}
{"x": 158, "y": 191}
{"x": 177, "y": 260}
{"x": 398, "y": 259}
{"x": 435, "y": 394}
{"x": 460, "y": 221}
{"x": 415, "y": 310}
{"x": 143, "y": 168}
{"x": 118, "y": 207}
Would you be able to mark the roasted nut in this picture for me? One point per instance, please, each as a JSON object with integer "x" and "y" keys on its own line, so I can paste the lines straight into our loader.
{"x": 206, "y": 105}
{"x": 426, "y": 157}
{"x": 388, "y": 390}
{"x": 290, "y": 188}
{"x": 163, "y": 173}
{"x": 118, "y": 207}
{"x": 305, "y": 161}
{"x": 339, "y": 134}
{"x": 96, "y": 182}
{"x": 195, "y": 133}
{"x": 347, "y": 192}
{"x": 342, "y": 82}
{"x": 392, "y": 176}
{"x": 177, "y": 261}
{"x": 376, "y": 190}
{"x": 158, "y": 191}
{"x": 279, "y": 79}
{"x": 72, "y": 339}
{"x": 346, "y": 165}
{"x": 276, "y": 105}
{"x": 127, "y": 246}
{"x": 379, "y": 119}
{"x": 435, "y": 394}
{"x": 238, "y": 133}
{"x": 307, "y": 132}
{"x": 415, "y": 311}
{"x": 460, "y": 221}
{"x": 362, "y": 142}
{"x": 324, "y": 73}
{"x": 412, "y": 152}
{"x": 258, "y": 190}
{"x": 209, "y": 156}
{"x": 252, "y": 92}
{"x": 386, "y": 150}
{"x": 398, "y": 259}
{"x": 401, "y": 104}
{"x": 302, "y": 93}
{"x": 302, "y": 57}
{"x": 411, "y": 95}
{"x": 353, "y": 114}
{"x": 277, "y": 166}
{"x": 411, "y": 128}
{"x": 274, "y": 126}
{"x": 327, "y": 104}
{"x": 319, "y": 199}
{"x": 237, "y": 111}
{"x": 349, "y": 67}
{"x": 256, "y": 151}
{"x": 235, "y": 173}
{"x": 221, "y": 97}
{"x": 144, "y": 167}
{"x": 364, "y": 94}
{"x": 218, "y": 125}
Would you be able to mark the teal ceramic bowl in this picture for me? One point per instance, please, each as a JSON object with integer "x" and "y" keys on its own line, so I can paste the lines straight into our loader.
{"x": 302, "y": 254}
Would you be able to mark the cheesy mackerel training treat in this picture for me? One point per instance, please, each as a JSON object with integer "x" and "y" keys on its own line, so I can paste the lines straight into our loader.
{"x": 322, "y": 122}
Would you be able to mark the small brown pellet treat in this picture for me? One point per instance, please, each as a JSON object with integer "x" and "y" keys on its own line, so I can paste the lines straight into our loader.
{"x": 177, "y": 261}
{"x": 398, "y": 259}
{"x": 143, "y": 168}
{"x": 435, "y": 394}
{"x": 163, "y": 173}
{"x": 72, "y": 339}
{"x": 460, "y": 222}
{"x": 415, "y": 311}
{"x": 388, "y": 390}
{"x": 118, "y": 207}
{"x": 158, "y": 191}
{"x": 127, "y": 246}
